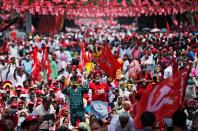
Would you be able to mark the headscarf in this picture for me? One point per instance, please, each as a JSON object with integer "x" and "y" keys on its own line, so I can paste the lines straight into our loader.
{"x": 119, "y": 108}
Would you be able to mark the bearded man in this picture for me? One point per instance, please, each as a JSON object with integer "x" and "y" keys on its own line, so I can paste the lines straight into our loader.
{"x": 99, "y": 97}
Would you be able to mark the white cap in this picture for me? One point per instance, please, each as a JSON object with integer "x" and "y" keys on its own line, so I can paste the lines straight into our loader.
{"x": 23, "y": 95}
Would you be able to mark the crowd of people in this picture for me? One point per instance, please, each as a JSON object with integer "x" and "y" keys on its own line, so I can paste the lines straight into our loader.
{"x": 82, "y": 97}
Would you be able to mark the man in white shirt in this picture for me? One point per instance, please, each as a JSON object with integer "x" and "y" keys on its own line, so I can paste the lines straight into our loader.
{"x": 168, "y": 72}
{"x": 8, "y": 72}
{"x": 122, "y": 122}
{"x": 45, "y": 108}
{"x": 14, "y": 49}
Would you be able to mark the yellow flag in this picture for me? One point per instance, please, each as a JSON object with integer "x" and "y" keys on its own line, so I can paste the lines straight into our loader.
{"x": 89, "y": 67}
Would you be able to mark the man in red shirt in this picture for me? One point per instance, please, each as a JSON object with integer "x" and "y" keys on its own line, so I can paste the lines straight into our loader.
{"x": 100, "y": 90}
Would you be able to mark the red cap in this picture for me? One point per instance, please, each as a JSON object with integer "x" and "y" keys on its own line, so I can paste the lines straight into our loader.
{"x": 97, "y": 72}
{"x": 14, "y": 105}
{"x": 31, "y": 118}
{"x": 30, "y": 103}
{"x": 18, "y": 88}
{"x": 20, "y": 102}
{"x": 50, "y": 79}
{"x": 154, "y": 50}
{"x": 51, "y": 90}
{"x": 38, "y": 92}
{"x": 74, "y": 67}
{"x": 146, "y": 52}
{"x": 39, "y": 100}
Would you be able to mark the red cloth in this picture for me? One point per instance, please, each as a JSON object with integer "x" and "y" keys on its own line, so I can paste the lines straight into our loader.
{"x": 98, "y": 87}
{"x": 168, "y": 27}
{"x": 48, "y": 23}
{"x": 63, "y": 44}
{"x": 13, "y": 35}
{"x": 164, "y": 99}
{"x": 175, "y": 66}
{"x": 108, "y": 63}
{"x": 83, "y": 57}
{"x": 45, "y": 62}
{"x": 35, "y": 66}
{"x": 6, "y": 47}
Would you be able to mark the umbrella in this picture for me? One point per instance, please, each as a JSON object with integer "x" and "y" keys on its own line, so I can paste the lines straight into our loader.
{"x": 155, "y": 30}
{"x": 163, "y": 30}
{"x": 146, "y": 29}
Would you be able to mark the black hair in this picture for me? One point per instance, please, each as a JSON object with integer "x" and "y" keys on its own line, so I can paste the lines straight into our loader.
{"x": 147, "y": 119}
{"x": 74, "y": 78}
{"x": 82, "y": 129}
{"x": 179, "y": 119}
{"x": 47, "y": 99}
{"x": 63, "y": 128}
{"x": 138, "y": 97}
{"x": 99, "y": 121}
{"x": 65, "y": 118}
{"x": 92, "y": 116}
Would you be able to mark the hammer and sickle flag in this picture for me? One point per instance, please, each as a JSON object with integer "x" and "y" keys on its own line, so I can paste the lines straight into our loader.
{"x": 164, "y": 99}
{"x": 107, "y": 62}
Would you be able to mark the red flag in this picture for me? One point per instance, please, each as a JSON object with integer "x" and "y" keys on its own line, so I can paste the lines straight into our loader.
{"x": 124, "y": 3}
{"x": 100, "y": 2}
{"x": 6, "y": 47}
{"x": 86, "y": 56}
{"x": 35, "y": 67}
{"x": 165, "y": 98}
{"x": 26, "y": 2}
{"x": 45, "y": 62}
{"x": 175, "y": 66}
{"x": 108, "y": 2}
{"x": 82, "y": 56}
{"x": 107, "y": 62}
{"x": 168, "y": 27}
{"x": 114, "y": 2}
{"x": 154, "y": 23}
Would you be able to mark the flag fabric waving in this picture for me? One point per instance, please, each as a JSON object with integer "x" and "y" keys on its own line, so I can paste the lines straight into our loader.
{"x": 6, "y": 47}
{"x": 168, "y": 27}
{"x": 108, "y": 63}
{"x": 45, "y": 62}
{"x": 165, "y": 98}
{"x": 35, "y": 67}
{"x": 82, "y": 56}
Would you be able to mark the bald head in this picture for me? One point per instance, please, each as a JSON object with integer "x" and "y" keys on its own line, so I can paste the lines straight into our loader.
{"x": 123, "y": 118}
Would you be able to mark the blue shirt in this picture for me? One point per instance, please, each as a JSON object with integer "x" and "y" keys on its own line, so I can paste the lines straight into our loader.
{"x": 27, "y": 66}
